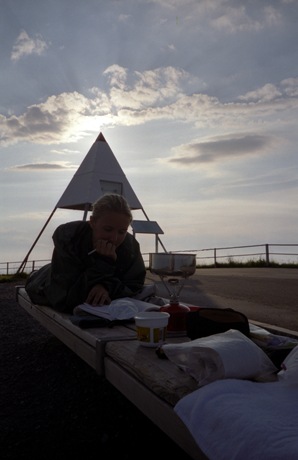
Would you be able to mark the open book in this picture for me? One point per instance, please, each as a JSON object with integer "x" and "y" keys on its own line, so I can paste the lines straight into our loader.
{"x": 119, "y": 309}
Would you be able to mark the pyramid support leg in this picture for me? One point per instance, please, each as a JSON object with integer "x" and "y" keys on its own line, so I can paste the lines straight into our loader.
{"x": 23, "y": 264}
{"x": 157, "y": 236}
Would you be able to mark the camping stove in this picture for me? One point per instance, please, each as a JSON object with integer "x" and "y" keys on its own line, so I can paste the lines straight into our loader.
{"x": 173, "y": 268}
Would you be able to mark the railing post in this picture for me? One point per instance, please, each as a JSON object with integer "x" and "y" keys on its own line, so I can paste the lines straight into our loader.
{"x": 7, "y": 268}
{"x": 267, "y": 255}
{"x": 215, "y": 263}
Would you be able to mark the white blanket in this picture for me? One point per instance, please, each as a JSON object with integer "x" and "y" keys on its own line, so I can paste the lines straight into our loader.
{"x": 243, "y": 420}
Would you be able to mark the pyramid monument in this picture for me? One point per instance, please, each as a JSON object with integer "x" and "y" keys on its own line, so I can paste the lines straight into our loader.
{"x": 99, "y": 173}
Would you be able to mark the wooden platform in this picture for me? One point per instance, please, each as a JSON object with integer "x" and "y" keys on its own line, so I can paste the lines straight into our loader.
{"x": 88, "y": 344}
{"x": 153, "y": 385}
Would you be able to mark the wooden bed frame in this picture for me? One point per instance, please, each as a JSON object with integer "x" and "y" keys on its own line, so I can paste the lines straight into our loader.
{"x": 88, "y": 344}
{"x": 152, "y": 384}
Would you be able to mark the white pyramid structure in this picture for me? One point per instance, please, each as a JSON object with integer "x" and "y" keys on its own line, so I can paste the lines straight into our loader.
{"x": 99, "y": 173}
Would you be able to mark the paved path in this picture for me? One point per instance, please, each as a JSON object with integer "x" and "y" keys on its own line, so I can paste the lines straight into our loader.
{"x": 268, "y": 295}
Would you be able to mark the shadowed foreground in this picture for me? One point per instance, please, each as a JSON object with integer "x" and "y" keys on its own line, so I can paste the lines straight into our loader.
{"x": 54, "y": 406}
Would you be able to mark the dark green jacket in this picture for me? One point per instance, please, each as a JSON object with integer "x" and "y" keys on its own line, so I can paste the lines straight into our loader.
{"x": 67, "y": 280}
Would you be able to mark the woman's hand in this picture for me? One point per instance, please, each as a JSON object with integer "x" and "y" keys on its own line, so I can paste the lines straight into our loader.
{"x": 106, "y": 248}
{"x": 98, "y": 295}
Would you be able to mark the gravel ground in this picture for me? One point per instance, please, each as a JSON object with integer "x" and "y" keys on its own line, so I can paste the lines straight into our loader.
{"x": 54, "y": 406}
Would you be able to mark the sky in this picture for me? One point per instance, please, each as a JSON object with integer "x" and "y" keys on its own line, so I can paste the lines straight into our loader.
{"x": 197, "y": 99}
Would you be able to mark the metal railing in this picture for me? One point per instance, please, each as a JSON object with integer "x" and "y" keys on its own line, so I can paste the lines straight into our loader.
{"x": 264, "y": 252}
{"x": 208, "y": 256}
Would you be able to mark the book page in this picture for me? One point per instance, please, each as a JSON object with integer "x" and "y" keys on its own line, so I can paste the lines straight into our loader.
{"x": 120, "y": 309}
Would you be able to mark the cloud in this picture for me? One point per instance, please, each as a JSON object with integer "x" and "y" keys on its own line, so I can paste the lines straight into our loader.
{"x": 44, "y": 166}
{"x": 267, "y": 93}
{"x": 171, "y": 48}
{"x": 69, "y": 116}
{"x": 228, "y": 17}
{"x": 117, "y": 75}
{"x": 221, "y": 148}
{"x": 290, "y": 86}
{"x": 137, "y": 90}
{"x": 235, "y": 19}
{"x": 124, "y": 17}
{"x": 136, "y": 98}
{"x": 25, "y": 46}
{"x": 64, "y": 151}
{"x": 53, "y": 121}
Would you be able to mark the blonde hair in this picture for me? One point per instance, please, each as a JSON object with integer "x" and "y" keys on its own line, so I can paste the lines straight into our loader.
{"x": 111, "y": 202}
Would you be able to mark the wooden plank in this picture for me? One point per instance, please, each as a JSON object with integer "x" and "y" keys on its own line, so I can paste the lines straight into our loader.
{"x": 88, "y": 344}
{"x": 157, "y": 410}
{"x": 89, "y": 335}
{"x": 163, "y": 377}
{"x": 276, "y": 329}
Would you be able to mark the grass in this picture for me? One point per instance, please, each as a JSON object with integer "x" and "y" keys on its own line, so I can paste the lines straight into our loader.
{"x": 13, "y": 278}
{"x": 249, "y": 264}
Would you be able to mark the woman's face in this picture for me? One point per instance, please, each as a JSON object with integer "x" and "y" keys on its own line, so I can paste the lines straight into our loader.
{"x": 111, "y": 227}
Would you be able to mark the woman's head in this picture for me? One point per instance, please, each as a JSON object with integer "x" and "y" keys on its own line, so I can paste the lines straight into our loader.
{"x": 110, "y": 219}
{"x": 111, "y": 203}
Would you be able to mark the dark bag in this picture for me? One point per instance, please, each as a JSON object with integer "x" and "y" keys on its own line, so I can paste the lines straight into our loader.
{"x": 209, "y": 321}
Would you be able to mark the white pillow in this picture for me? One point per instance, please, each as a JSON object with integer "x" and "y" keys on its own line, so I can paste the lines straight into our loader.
{"x": 290, "y": 366}
{"x": 221, "y": 356}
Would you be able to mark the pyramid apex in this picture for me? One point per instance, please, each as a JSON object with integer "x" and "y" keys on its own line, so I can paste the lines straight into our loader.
{"x": 100, "y": 137}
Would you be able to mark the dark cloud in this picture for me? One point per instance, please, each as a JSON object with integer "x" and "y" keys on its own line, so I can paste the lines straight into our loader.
{"x": 221, "y": 148}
